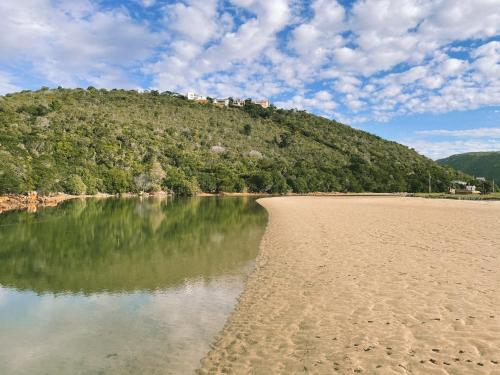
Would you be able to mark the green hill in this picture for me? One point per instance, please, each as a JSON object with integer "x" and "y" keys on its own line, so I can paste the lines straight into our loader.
{"x": 479, "y": 164}
{"x": 78, "y": 140}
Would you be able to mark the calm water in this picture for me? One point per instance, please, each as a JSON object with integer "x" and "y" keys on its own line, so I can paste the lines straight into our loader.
{"x": 121, "y": 286}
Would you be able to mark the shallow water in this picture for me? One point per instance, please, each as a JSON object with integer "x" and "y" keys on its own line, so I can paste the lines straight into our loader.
{"x": 121, "y": 286}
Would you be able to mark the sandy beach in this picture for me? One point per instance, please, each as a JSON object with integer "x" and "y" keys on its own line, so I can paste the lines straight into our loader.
{"x": 381, "y": 285}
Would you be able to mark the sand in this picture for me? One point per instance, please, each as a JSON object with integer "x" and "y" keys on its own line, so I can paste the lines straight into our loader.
{"x": 369, "y": 285}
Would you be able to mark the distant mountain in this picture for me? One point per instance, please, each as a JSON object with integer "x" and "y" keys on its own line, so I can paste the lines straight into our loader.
{"x": 479, "y": 164}
{"x": 90, "y": 140}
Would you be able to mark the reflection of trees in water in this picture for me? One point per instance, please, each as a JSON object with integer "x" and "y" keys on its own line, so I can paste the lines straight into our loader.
{"x": 124, "y": 245}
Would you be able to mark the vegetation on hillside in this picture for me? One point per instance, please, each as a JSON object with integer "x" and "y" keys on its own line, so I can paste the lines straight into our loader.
{"x": 479, "y": 164}
{"x": 88, "y": 140}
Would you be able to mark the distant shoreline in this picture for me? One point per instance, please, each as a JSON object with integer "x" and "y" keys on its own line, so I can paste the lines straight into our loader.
{"x": 33, "y": 202}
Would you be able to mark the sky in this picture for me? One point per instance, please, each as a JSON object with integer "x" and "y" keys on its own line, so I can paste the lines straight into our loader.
{"x": 425, "y": 73}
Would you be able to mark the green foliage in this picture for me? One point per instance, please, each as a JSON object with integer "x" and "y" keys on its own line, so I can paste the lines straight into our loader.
{"x": 117, "y": 181}
{"x": 261, "y": 182}
{"x": 284, "y": 140}
{"x": 55, "y": 105}
{"x": 177, "y": 182}
{"x": 12, "y": 174}
{"x": 34, "y": 110}
{"x": 123, "y": 141}
{"x": 75, "y": 185}
{"x": 247, "y": 129}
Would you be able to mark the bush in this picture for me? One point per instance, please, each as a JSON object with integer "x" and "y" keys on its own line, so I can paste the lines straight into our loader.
{"x": 279, "y": 184}
{"x": 207, "y": 182}
{"x": 260, "y": 182}
{"x": 9, "y": 182}
{"x": 247, "y": 129}
{"x": 178, "y": 183}
{"x": 34, "y": 110}
{"x": 75, "y": 185}
{"x": 117, "y": 181}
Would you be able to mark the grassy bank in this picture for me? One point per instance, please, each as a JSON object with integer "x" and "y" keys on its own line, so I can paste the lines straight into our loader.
{"x": 482, "y": 197}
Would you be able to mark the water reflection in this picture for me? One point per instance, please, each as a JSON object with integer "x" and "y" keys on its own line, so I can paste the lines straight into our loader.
{"x": 121, "y": 286}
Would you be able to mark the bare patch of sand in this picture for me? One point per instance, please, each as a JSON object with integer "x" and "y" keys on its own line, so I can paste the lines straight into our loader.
{"x": 369, "y": 285}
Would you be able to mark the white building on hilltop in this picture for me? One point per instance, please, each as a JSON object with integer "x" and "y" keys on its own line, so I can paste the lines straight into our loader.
{"x": 194, "y": 96}
{"x": 238, "y": 102}
{"x": 264, "y": 103}
{"x": 222, "y": 102}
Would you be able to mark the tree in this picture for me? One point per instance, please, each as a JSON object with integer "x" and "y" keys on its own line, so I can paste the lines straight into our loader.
{"x": 260, "y": 182}
{"x": 279, "y": 183}
{"x": 177, "y": 182}
{"x": 117, "y": 181}
{"x": 55, "y": 105}
{"x": 208, "y": 182}
{"x": 247, "y": 129}
{"x": 75, "y": 185}
{"x": 284, "y": 140}
{"x": 156, "y": 174}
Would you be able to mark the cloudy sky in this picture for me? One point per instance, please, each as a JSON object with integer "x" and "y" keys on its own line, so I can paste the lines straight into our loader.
{"x": 422, "y": 72}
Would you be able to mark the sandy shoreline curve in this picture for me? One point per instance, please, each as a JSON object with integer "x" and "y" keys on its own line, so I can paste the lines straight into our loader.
{"x": 369, "y": 285}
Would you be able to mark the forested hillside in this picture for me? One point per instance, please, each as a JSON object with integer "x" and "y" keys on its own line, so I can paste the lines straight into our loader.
{"x": 479, "y": 164}
{"x": 88, "y": 140}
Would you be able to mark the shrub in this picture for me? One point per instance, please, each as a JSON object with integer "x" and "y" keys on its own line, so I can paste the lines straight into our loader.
{"x": 75, "y": 185}
{"x": 260, "y": 182}
{"x": 178, "y": 183}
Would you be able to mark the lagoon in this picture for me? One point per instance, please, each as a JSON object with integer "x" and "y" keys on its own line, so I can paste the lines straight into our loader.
{"x": 122, "y": 286}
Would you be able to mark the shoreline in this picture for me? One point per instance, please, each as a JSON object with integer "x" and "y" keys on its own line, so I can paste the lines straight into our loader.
{"x": 367, "y": 285}
{"x": 33, "y": 201}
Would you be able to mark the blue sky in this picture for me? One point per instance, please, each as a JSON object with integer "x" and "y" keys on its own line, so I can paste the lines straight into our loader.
{"x": 425, "y": 73}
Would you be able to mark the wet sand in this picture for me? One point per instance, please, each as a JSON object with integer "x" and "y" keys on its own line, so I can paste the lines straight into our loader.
{"x": 369, "y": 285}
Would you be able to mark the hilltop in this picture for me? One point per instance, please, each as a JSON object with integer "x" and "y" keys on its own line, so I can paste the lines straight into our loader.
{"x": 479, "y": 164}
{"x": 88, "y": 140}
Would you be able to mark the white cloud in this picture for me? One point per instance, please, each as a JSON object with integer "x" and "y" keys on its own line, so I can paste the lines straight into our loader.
{"x": 236, "y": 54}
{"x": 460, "y": 20}
{"x": 195, "y": 21}
{"x": 438, "y": 150}
{"x": 6, "y": 84}
{"x": 318, "y": 36}
{"x": 471, "y": 133}
{"x": 147, "y": 3}
{"x": 321, "y": 100}
{"x": 70, "y": 42}
{"x": 375, "y": 60}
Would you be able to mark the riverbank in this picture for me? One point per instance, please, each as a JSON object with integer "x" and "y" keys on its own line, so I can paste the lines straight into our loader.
{"x": 465, "y": 197}
{"x": 368, "y": 285}
{"x": 32, "y": 201}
